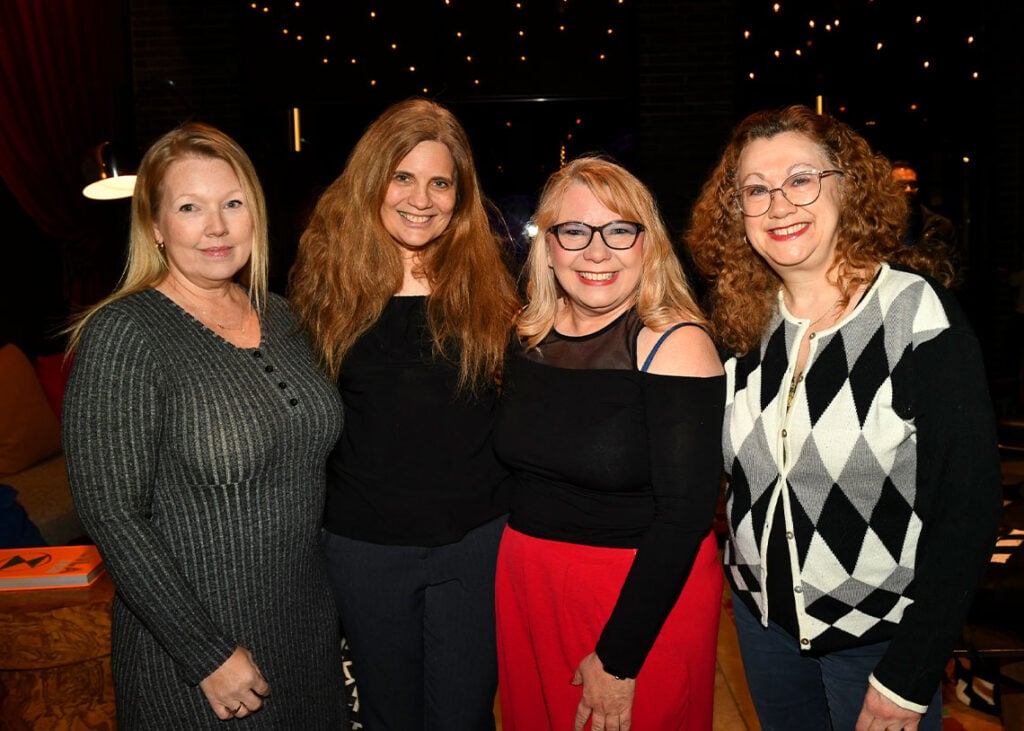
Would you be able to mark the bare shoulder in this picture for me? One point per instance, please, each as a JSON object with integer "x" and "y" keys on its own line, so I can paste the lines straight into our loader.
{"x": 687, "y": 351}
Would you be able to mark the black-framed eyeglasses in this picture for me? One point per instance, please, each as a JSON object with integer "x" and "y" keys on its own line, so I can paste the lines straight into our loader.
{"x": 800, "y": 189}
{"x": 576, "y": 236}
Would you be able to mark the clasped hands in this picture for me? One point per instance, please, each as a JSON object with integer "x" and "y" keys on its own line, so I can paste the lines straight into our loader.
{"x": 237, "y": 688}
{"x": 606, "y": 698}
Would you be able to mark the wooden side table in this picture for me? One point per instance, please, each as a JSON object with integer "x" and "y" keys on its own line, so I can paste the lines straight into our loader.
{"x": 55, "y": 659}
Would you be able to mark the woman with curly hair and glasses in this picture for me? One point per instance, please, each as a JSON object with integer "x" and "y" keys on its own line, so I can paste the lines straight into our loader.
{"x": 859, "y": 440}
{"x": 405, "y": 291}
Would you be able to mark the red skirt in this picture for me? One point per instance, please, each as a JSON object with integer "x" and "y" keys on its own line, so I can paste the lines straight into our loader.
{"x": 553, "y": 599}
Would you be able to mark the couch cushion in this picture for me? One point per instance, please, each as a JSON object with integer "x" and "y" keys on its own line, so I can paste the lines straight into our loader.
{"x": 44, "y": 493}
{"x": 29, "y": 430}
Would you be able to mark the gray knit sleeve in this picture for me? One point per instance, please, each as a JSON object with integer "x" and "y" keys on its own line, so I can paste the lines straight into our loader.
{"x": 112, "y": 433}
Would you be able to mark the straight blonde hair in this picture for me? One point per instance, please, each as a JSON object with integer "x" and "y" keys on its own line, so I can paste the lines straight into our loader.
{"x": 147, "y": 263}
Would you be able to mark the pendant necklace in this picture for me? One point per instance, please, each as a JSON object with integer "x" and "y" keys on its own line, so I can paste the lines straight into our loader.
{"x": 820, "y": 317}
{"x": 205, "y": 316}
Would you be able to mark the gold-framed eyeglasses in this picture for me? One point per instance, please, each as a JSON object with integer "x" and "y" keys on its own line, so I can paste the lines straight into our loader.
{"x": 800, "y": 189}
{"x": 576, "y": 236}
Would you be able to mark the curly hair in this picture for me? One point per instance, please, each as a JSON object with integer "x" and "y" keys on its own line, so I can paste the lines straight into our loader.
{"x": 348, "y": 266}
{"x": 146, "y": 264}
{"x": 663, "y": 295}
{"x": 742, "y": 288}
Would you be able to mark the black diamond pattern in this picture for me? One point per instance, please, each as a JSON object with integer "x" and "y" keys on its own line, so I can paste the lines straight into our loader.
{"x": 826, "y": 377}
{"x": 890, "y": 518}
{"x": 878, "y": 603}
{"x": 844, "y": 528}
{"x": 773, "y": 367}
{"x": 869, "y": 373}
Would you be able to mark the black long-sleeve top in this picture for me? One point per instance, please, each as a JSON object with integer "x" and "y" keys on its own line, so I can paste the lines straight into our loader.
{"x": 415, "y": 465}
{"x": 606, "y": 455}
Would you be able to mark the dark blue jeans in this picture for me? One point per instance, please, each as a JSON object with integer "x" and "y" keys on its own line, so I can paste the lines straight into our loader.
{"x": 421, "y": 627}
{"x": 795, "y": 692}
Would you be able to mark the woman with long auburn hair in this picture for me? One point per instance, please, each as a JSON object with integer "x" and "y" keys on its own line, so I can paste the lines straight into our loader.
{"x": 405, "y": 291}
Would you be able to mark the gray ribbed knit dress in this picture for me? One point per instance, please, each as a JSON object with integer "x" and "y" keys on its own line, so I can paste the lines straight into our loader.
{"x": 198, "y": 469}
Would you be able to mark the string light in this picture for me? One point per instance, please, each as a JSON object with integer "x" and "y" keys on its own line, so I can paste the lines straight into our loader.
{"x": 816, "y": 52}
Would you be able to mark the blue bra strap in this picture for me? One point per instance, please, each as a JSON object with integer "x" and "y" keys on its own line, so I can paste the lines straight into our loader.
{"x": 650, "y": 356}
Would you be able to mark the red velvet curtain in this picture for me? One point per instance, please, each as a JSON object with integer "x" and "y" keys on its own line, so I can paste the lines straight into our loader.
{"x": 61, "y": 68}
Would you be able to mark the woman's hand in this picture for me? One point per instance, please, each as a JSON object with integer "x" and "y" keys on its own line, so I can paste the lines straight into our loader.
{"x": 607, "y": 699}
{"x": 236, "y": 688}
{"x": 881, "y": 714}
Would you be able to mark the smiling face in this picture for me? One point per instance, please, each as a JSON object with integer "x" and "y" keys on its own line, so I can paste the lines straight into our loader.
{"x": 203, "y": 221}
{"x": 793, "y": 240}
{"x": 599, "y": 283}
{"x": 418, "y": 205}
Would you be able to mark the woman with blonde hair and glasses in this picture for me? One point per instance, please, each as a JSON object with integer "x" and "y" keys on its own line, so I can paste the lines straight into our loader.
{"x": 196, "y": 424}
{"x": 609, "y": 588}
{"x": 405, "y": 291}
{"x": 859, "y": 440}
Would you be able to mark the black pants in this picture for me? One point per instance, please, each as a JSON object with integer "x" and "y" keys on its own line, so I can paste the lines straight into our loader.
{"x": 420, "y": 623}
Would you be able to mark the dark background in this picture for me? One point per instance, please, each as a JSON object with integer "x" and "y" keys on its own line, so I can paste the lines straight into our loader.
{"x": 656, "y": 84}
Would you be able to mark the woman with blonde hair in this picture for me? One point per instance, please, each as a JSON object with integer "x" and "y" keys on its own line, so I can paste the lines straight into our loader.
{"x": 404, "y": 289}
{"x": 859, "y": 440}
{"x": 608, "y": 577}
{"x": 196, "y": 424}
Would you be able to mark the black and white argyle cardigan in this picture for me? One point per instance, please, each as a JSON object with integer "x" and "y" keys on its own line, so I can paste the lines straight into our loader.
{"x": 887, "y": 470}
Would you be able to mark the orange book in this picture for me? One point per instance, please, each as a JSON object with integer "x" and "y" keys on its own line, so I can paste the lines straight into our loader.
{"x": 49, "y": 567}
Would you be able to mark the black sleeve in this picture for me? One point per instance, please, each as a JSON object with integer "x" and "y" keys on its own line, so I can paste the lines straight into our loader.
{"x": 959, "y": 491}
{"x": 684, "y": 424}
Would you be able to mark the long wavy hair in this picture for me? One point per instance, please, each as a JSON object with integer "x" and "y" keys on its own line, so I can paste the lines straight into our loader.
{"x": 663, "y": 295}
{"x": 348, "y": 266}
{"x": 742, "y": 288}
{"x": 146, "y": 264}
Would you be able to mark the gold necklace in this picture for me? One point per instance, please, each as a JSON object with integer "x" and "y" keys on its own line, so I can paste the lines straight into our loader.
{"x": 240, "y": 327}
{"x": 820, "y": 317}
{"x": 207, "y": 317}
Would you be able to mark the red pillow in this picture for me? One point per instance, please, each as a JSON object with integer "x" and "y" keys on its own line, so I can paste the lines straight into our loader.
{"x": 52, "y": 372}
{"x": 29, "y": 430}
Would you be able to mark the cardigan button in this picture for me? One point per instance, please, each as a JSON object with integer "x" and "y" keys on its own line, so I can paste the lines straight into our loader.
{"x": 282, "y": 385}
{"x": 257, "y": 354}
{"x": 269, "y": 369}
{"x": 804, "y": 641}
{"x": 294, "y": 401}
